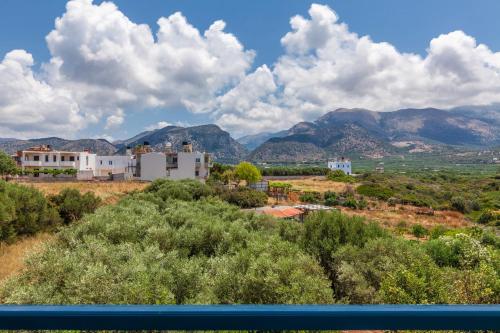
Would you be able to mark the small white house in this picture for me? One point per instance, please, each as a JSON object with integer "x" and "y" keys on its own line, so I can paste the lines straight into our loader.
{"x": 343, "y": 164}
{"x": 112, "y": 165}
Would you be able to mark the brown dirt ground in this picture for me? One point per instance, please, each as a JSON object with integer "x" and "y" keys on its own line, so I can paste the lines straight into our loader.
{"x": 319, "y": 184}
{"x": 12, "y": 255}
{"x": 109, "y": 192}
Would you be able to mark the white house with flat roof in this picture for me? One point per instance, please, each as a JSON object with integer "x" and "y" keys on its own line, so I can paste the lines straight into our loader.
{"x": 44, "y": 157}
{"x": 186, "y": 164}
{"x": 342, "y": 163}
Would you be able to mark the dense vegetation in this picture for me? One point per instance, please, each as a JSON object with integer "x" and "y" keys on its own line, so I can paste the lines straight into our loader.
{"x": 294, "y": 171}
{"x": 26, "y": 211}
{"x": 477, "y": 196}
{"x": 175, "y": 243}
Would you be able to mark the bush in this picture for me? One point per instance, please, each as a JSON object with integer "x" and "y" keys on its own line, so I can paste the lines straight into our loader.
{"x": 24, "y": 211}
{"x": 459, "y": 204}
{"x": 72, "y": 205}
{"x": 243, "y": 197}
{"x": 294, "y": 171}
{"x": 187, "y": 189}
{"x": 340, "y": 176}
{"x": 198, "y": 252}
{"x": 311, "y": 197}
{"x": 419, "y": 231}
{"x": 375, "y": 191}
{"x": 330, "y": 198}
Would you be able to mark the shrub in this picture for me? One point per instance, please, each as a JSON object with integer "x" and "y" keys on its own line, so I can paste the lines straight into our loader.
{"x": 199, "y": 252}
{"x": 330, "y": 198}
{"x": 339, "y": 176}
{"x": 418, "y": 230}
{"x": 187, "y": 189}
{"x": 310, "y": 197}
{"x": 243, "y": 197}
{"x": 375, "y": 191}
{"x": 72, "y": 205}
{"x": 459, "y": 204}
{"x": 24, "y": 211}
{"x": 7, "y": 165}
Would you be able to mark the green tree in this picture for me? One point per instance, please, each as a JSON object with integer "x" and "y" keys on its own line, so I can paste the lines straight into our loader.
{"x": 7, "y": 165}
{"x": 72, "y": 205}
{"x": 248, "y": 172}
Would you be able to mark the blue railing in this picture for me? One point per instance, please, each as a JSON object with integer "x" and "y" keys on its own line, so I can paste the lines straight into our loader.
{"x": 250, "y": 317}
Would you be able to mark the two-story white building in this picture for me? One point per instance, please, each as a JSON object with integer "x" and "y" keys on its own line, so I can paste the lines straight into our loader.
{"x": 342, "y": 163}
{"x": 44, "y": 157}
{"x": 185, "y": 164}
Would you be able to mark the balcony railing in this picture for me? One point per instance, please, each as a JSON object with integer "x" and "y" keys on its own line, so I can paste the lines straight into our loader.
{"x": 250, "y": 317}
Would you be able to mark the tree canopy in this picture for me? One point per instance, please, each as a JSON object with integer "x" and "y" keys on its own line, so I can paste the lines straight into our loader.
{"x": 7, "y": 164}
{"x": 248, "y": 172}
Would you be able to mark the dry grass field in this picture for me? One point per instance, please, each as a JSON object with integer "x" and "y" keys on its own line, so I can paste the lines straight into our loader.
{"x": 12, "y": 255}
{"x": 109, "y": 192}
{"x": 319, "y": 184}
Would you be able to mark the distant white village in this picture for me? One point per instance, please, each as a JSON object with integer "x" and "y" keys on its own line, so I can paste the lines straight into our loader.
{"x": 140, "y": 163}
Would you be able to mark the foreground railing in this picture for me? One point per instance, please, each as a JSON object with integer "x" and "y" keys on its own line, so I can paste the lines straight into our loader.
{"x": 250, "y": 317}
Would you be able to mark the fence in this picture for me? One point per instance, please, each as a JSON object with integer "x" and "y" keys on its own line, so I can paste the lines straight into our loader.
{"x": 250, "y": 317}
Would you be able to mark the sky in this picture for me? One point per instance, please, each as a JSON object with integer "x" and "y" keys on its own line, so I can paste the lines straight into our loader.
{"x": 113, "y": 69}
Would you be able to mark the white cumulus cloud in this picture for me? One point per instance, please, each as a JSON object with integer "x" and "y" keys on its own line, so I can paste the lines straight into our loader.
{"x": 326, "y": 66}
{"x": 104, "y": 66}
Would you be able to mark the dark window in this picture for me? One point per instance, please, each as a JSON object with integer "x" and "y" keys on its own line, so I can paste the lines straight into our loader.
{"x": 46, "y": 158}
{"x": 54, "y": 158}
{"x": 78, "y": 158}
{"x": 62, "y": 158}
{"x": 36, "y": 158}
{"x": 197, "y": 173}
{"x": 72, "y": 158}
{"x": 101, "y": 162}
{"x": 175, "y": 160}
{"x": 198, "y": 160}
{"x": 110, "y": 162}
{"x": 86, "y": 160}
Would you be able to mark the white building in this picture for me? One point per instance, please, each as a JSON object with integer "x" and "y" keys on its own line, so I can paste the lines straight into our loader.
{"x": 44, "y": 157}
{"x": 173, "y": 165}
{"x": 343, "y": 164}
{"x": 113, "y": 165}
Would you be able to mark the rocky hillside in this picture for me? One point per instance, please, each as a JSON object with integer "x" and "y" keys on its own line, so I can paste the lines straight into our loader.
{"x": 208, "y": 138}
{"x": 99, "y": 146}
{"x": 373, "y": 134}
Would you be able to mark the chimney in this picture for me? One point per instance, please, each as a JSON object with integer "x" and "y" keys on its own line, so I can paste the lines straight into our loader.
{"x": 187, "y": 147}
{"x": 168, "y": 147}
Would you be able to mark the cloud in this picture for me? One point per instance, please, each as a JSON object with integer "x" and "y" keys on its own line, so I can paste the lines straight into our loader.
{"x": 158, "y": 125}
{"x": 326, "y": 66}
{"x": 104, "y": 66}
{"x": 29, "y": 107}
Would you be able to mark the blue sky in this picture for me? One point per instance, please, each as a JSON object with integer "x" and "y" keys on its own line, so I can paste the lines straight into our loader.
{"x": 258, "y": 25}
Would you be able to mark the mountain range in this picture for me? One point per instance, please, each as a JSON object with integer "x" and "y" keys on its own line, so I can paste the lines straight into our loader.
{"x": 350, "y": 132}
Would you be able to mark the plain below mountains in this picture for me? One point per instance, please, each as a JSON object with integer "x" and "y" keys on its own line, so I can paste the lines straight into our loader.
{"x": 350, "y": 132}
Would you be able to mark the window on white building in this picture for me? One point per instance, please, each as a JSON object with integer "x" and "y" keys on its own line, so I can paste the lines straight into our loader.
{"x": 46, "y": 158}
{"x": 86, "y": 160}
{"x": 36, "y": 158}
{"x": 72, "y": 158}
{"x": 110, "y": 162}
{"x": 54, "y": 158}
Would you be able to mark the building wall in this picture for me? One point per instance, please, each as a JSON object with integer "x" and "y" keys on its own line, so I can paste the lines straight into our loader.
{"x": 153, "y": 166}
{"x": 106, "y": 165}
{"x": 341, "y": 165}
{"x": 185, "y": 166}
